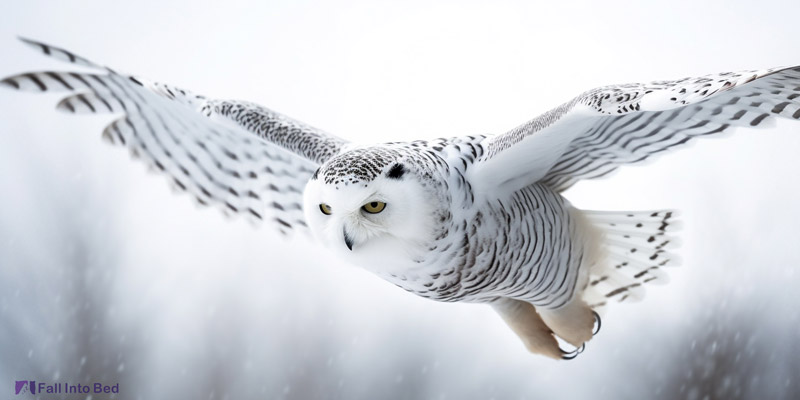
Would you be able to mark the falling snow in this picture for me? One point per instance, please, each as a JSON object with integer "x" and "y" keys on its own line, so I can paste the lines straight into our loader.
{"x": 106, "y": 276}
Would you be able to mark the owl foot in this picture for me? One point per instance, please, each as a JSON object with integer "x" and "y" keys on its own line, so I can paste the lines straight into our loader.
{"x": 523, "y": 319}
{"x": 569, "y": 355}
{"x": 574, "y": 322}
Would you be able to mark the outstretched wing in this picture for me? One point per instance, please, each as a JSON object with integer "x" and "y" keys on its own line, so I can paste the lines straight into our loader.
{"x": 604, "y": 128}
{"x": 241, "y": 157}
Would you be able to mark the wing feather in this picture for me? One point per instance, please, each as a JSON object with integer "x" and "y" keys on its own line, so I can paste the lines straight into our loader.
{"x": 602, "y": 129}
{"x": 240, "y": 157}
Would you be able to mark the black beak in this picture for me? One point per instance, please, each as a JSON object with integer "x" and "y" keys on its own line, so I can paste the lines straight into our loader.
{"x": 347, "y": 239}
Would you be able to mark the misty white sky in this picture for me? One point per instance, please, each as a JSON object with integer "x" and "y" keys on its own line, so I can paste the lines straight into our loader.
{"x": 386, "y": 71}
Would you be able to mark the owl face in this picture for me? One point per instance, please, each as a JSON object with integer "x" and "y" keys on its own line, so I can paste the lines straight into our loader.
{"x": 375, "y": 223}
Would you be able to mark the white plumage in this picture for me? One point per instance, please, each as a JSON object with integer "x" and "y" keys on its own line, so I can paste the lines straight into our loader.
{"x": 474, "y": 218}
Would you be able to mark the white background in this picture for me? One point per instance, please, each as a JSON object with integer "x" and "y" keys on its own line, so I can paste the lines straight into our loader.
{"x": 105, "y": 275}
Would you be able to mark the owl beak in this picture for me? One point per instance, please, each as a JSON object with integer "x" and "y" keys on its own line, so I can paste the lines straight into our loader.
{"x": 347, "y": 239}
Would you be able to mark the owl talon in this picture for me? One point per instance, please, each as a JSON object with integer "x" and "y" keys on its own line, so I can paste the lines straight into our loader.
{"x": 572, "y": 354}
{"x": 598, "y": 323}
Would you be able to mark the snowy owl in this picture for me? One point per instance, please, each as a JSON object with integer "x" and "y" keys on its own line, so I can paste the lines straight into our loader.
{"x": 476, "y": 219}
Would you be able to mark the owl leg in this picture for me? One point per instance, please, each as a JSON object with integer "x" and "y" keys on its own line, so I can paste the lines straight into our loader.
{"x": 573, "y": 322}
{"x": 523, "y": 319}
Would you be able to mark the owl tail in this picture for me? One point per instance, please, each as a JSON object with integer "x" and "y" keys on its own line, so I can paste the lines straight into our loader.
{"x": 634, "y": 250}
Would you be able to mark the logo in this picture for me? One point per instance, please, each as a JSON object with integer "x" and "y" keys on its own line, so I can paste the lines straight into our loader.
{"x": 22, "y": 387}
{"x": 32, "y": 387}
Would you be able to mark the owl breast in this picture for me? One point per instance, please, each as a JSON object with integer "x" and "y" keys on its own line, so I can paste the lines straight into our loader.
{"x": 526, "y": 246}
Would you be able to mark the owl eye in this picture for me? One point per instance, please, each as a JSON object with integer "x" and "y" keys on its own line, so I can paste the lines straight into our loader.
{"x": 326, "y": 209}
{"x": 374, "y": 207}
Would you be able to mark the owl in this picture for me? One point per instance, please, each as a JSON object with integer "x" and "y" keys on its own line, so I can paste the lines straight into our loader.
{"x": 477, "y": 219}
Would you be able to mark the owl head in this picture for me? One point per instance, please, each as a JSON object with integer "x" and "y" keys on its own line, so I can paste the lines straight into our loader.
{"x": 372, "y": 206}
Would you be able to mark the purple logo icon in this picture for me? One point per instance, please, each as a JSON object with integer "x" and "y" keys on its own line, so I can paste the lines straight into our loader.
{"x": 20, "y": 385}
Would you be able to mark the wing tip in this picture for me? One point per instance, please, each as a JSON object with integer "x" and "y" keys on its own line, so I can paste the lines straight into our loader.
{"x": 41, "y": 46}
{"x": 28, "y": 40}
{"x": 57, "y": 52}
{"x": 9, "y": 83}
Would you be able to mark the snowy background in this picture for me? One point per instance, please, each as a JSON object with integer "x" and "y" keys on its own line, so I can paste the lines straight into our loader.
{"x": 107, "y": 276}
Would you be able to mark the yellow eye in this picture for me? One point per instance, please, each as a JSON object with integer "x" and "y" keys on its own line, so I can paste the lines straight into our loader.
{"x": 326, "y": 209}
{"x": 374, "y": 207}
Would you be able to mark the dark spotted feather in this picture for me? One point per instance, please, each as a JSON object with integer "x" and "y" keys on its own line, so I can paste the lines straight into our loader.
{"x": 602, "y": 129}
{"x": 240, "y": 157}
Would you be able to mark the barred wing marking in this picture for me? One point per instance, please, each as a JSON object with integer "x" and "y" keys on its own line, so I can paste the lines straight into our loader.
{"x": 602, "y": 129}
{"x": 708, "y": 106}
{"x": 240, "y": 157}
